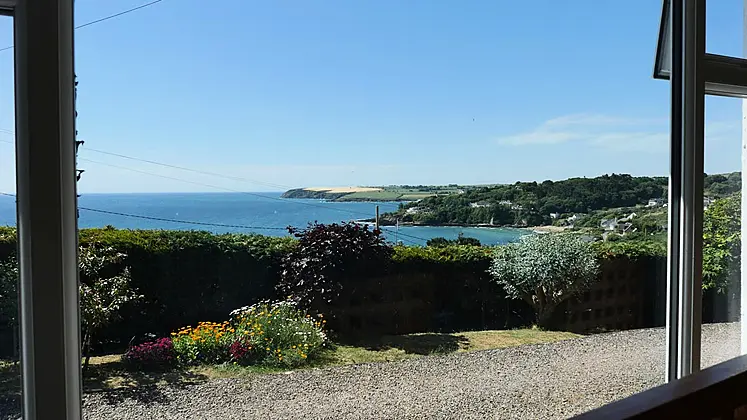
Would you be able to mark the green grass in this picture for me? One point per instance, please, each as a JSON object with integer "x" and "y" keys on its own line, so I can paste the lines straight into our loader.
{"x": 108, "y": 372}
{"x": 397, "y": 193}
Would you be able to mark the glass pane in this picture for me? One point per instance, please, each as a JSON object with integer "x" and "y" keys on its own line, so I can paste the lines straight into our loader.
{"x": 724, "y": 23}
{"x": 721, "y": 335}
{"x": 519, "y": 268}
{"x": 10, "y": 379}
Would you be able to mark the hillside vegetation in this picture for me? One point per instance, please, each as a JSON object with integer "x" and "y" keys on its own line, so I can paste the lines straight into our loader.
{"x": 532, "y": 203}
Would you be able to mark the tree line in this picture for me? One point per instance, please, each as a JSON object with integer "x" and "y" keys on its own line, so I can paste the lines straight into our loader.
{"x": 531, "y": 203}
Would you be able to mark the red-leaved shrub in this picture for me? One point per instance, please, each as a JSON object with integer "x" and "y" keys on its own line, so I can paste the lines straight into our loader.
{"x": 152, "y": 354}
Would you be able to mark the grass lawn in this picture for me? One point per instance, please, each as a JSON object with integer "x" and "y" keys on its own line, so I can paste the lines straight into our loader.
{"x": 107, "y": 372}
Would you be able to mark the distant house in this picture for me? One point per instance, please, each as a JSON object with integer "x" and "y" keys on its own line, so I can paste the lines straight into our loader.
{"x": 511, "y": 205}
{"x": 707, "y": 201}
{"x": 554, "y": 215}
{"x": 656, "y": 202}
{"x": 608, "y": 224}
{"x": 624, "y": 228}
{"x": 413, "y": 210}
{"x": 628, "y": 217}
{"x": 572, "y": 218}
{"x": 480, "y": 204}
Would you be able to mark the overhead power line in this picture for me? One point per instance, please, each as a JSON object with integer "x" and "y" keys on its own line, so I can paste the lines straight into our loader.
{"x": 192, "y": 222}
{"x": 225, "y": 189}
{"x": 188, "y": 222}
{"x": 368, "y": 215}
{"x": 164, "y": 219}
{"x": 182, "y": 168}
{"x": 105, "y": 18}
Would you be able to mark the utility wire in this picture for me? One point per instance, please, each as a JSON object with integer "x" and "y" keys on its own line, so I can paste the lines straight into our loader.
{"x": 400, "y": 233}
{"x": 224, "y": 188}
{"x": 182, "y": 168}
{"x": 163, "y": 219}
{"x": 93, "y": 22}
{"x": 368, "y": 215}
{"x": 189, "y": 222}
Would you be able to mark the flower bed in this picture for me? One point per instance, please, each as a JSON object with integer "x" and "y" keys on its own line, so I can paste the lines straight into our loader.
{"x": 152, "y": 354}
{"x": 275, "y": 334}
{"x": 268, "y": 333}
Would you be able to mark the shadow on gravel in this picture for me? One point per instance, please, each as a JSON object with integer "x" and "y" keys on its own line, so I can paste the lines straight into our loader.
{"x": 427, "y": 343}
{"x": 143, "y": 395}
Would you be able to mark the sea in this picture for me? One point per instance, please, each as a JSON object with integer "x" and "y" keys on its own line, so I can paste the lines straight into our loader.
{"x": 265, "y": 213}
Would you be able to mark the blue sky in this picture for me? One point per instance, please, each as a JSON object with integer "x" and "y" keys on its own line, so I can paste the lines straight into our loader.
{"x": 338, "y": 92}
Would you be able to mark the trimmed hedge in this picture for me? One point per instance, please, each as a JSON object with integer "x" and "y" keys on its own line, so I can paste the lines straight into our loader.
{"x": 185, "y": 276}
{"x": 192, "y": 276}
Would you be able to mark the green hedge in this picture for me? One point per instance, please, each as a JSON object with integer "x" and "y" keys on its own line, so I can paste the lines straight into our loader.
{"x": 185, "y": 276}
{"x": 191, "y": 276}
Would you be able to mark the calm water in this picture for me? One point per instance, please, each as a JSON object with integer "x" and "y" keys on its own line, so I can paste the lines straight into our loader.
{"x": 248, "y": 213}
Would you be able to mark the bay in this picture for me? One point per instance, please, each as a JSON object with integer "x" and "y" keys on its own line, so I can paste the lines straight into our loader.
{"x": 263, "y": 213}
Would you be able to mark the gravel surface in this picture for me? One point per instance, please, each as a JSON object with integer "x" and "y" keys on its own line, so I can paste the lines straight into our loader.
{"x": 545, "y": 381}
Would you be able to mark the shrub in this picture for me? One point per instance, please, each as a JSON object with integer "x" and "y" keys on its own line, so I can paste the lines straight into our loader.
{"x": 9, "y": 292}
{"x": 103, "y": 290}
{"x": 461, "y": 240}
{"x": 153, "y": 354}
{"x": 544, "y": 270}
{"x": 207, "y": 343}
{"x": 277, "y": 334}
{"x": 184, "y": 276}
{"x": 722, "y": 243}
{"x": 328, "y": 256}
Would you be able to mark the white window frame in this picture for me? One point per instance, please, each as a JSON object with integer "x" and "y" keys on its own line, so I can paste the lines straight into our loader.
{"x": 47, "y": 199}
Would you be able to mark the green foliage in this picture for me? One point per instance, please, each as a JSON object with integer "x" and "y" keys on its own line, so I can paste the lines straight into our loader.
{"x": 631, "y": 249}
{"x": 722, "y": 185}
{"x": 276, "y": 334}
{"x": 9, "y": 292}
{"x": 267, "y": 333}
{"x": 461, "y": 240}
{"x": 327, "y": 257}
{"x": 184, "y": 276}
{"x": 721, "y": 243}
{"x": 456, "y": 255}
{"x": 544, "y": 270}
{"x": 531, "y": 203}
{"x": 103, "y": 291}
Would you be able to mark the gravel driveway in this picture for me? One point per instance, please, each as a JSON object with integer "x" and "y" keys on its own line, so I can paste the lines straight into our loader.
{"x": 529, "y": 382}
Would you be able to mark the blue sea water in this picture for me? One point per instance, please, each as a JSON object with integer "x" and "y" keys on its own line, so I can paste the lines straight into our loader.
{"x": 264, "y": 213}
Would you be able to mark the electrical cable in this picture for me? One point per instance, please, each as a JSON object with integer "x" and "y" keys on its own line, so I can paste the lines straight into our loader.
{"x": 164, "y": 219}
{"x": 93, "y": 22}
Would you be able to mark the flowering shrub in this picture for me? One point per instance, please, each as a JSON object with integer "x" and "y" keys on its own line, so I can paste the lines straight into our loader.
{"x": 151, "y": 354}
{"x": 275, "y": 334}
{"x": 208, "y": 342}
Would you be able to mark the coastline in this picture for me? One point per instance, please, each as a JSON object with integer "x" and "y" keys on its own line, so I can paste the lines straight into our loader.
{"x": 545, "y": 229}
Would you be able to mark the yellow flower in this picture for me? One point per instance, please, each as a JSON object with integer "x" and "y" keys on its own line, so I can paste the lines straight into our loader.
{"x": 268, "y": 349}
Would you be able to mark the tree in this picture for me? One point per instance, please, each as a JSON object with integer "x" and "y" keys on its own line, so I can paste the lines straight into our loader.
{"x": 438, "y": 242}
{"x": 461, "y": 240}
{"x": 544, "y": 270}
{"x": 104, "y": 289}
{"x": 721, "y": 243}
{"x": 328, "y": 257}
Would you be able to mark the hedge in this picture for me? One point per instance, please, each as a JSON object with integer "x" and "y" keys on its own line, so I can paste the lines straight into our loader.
{"x": 185, "y": 276}
{"x": 192, "y": 276}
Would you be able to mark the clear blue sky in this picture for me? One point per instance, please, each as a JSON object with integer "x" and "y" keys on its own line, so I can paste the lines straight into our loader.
{"x": 339, "y": 92}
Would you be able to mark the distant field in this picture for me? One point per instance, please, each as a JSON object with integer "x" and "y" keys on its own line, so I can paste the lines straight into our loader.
{"x": 389, "y": 193}
{"x": 336, "y": 190}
